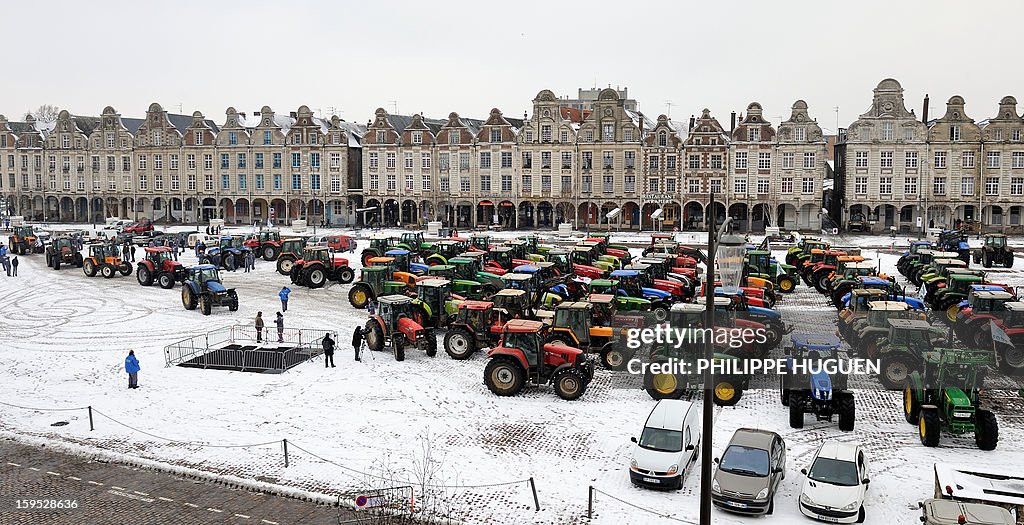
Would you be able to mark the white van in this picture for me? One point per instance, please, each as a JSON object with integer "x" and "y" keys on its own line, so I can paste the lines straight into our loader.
{"x": 668, "y": 446}
{"x": 208, "y": 240}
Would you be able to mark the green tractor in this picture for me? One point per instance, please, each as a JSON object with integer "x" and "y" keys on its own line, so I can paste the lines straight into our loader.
{"x": 379, "y": 245}
{"x": 373, "y": 283}
{"x": 627, "y": 303}
{"x": 469, "y": 267}
{"x": 796, "y": 254}
{"x": 465, "y": 288}
{"x": 944, "y": 397}
{"x": 857, "y": 309}
{"x": 760, "y": 264}
{"x": 867, "y": 332}
{"x": 948, "y": 298}
{"x": 925, "y": 264}
{"x": 413, "y": 241}
{"x": 479, "y": 241}
{"x": 939, "y": 270}
{"x": 902, "y": 350}
{"x": 433, "y": 305}
{"x": 533, "y": 244}
{"x": 664, "y": 384}
{"x": 442, "y": 251}
{"x": 995, "y": 250}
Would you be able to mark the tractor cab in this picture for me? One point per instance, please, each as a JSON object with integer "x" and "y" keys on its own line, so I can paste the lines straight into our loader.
{"x": 562, "y": 259}
{"x": 501, "y": 256}
{"x": 604, "y": 308}
{"x": 204, "y": 274}
{"x": 480, "y": 242}
{"x": 631, "y": 282}
{"x": 24, "y": 232}
{"x": 988, "y": 301}
{"x": 517, "y": 247}
{"x": 545, "y": 271}
{"x": 995, "y": 240}
{"x": 435, "y": 294}
{"x": 157, "y": 255}
{"x": 480, "y": 316}
{"x": 293, "y": 245}
{"x": 382, "y": 243}
{"x": 446, "y": 249}
{"x": 445, "y": 271}
{"x": 533, "y": 244}
{"x": 392, "y": 308}
{"x": 663, "y": 247}
{"x": 525, "y": 336}
{"x": 105, "y": 253}
{"x": 879, "y": 312}
{"x": 522, "y": 281}
{"x": 403, "y": 261}
{"x": 268, "y": 236}
{"x": 573, "y": 320}
{"x": 584, "y": 254}
{"x": 858, "y": 303}
{"x": 1014, "y": 315}
{"x": 658, "y": 267}
{"x": 914, "y": 334}
{"x": 61, "y": 244}
{"x": 412, "y": 241}
{"x": 512, "y": 304}
{"x": 389, "y": 263}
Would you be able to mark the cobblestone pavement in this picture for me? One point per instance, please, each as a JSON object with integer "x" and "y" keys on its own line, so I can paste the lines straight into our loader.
{"x": 112, "y": 494}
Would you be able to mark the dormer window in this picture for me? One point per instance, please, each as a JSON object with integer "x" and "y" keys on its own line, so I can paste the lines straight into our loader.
{"x": 662, "y": 139}
{"x": 381, "y": 137}
{"x": 453, "y": 136}
{"x": 754, "y": 134}
{"x": 417, "y": 137}
{"x": 800, "y": 134}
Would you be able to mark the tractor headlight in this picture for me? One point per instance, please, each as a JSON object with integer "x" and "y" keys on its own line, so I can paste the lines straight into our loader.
{"x": 961, "y": 414}
{"x": 763, "y": 494}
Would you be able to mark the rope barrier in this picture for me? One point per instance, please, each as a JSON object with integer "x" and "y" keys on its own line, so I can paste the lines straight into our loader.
{"x": 658, "y": 514}
{"x": 44, "y": 409}
{"x": 200, "y": 443}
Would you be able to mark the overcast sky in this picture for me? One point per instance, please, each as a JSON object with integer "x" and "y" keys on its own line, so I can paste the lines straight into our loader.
{"x": 466, "y": 56}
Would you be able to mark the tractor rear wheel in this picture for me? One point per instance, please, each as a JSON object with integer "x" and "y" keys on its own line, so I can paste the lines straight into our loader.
{"x": 727, "y": 392}
{"x": 374, "y": 336}
{"x": 896, "y": 368}
{"x": 797, "y": 398}
{"x": 345, "y": 275}
{"x": 188, "y": 299}
{"x": 569, "y": 384}
{"x": 398, "y": 347}
{"x": 144, "y": 276}
{"x": 367, "y": 255}
{"x": 847, "y": 411}
{"x": 269, "y": 252}
{"x": 125, "y": 269}
{"x": 459, "y": 344}
{"x": 663, "y": 386}
{"x": 284, "y": 265}
{"x": 928, "y": 426}
{"x": 504, "y": 377}
{"x": 89, "y": 268}
{"x": 911, "y": 405}
{"x": 360, "y": 295}
{"x": 107, "y": 271}
{"x": 166, "y": 280}
{"x": 986, "y": 430}
{"x": 1008, "y": 260}
{"x": 787, "y": 284}
{"x": 315, "y": 277}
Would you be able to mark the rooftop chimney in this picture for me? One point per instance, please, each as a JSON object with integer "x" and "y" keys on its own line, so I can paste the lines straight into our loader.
{"x": 732, "y": 122}
{"x": 692, "y": 122}
{"x": 293, "y": 114}
{"x": 924, "y": 113}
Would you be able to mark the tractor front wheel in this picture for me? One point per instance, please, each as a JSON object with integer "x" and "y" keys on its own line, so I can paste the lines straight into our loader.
{"x": 797, "y": 398}
{"x": 663, "y": 386}
{"x": 205, "y": 305}
{"x": 107, "y": 271}
{"x": 360, "y": 295}
{"x": 459, "y": 344}
{"x": 787, "y": 284}
{"x": 345, "y": 275}
{"x": 569, "y": 384}
{"x": 78, "y": 260}
{"x": 928, "y": 426}
{"x": 232, "y": 301}
{"x": 269, "y": 252}
{"x": 504, "y": 377}
{"x": 89, "y": 268}
{"x": 1008, "y": 260}
{"x": 911, "y": 405}
{"x": 1011, "y": 358}
{"x": 988, "y": 260}
{"x": 144, "y": 276}
{"x": 986, "y": 430}
{"x": 847, "y": 411}
{"x": 374, "y": 336}
{"x": 660, "y": 313}
{"x": 125, "y": 269}
{"x": 398, "y": 347}
{"x": 430, "y": 345}
{"x": 614, "y": 358}
{"x": 166, "y": 281}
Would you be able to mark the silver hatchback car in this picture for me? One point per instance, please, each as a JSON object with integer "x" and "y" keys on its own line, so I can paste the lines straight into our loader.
{"x": 749, "y": 472}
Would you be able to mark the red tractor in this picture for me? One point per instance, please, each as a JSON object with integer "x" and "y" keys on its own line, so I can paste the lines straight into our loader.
{"x": 521, "y": 357}
{"x": 159, "y": 266}
{"x": 394, "y": 324}
{"x": 266, "y": 243}
{"x": 318, "y": 265}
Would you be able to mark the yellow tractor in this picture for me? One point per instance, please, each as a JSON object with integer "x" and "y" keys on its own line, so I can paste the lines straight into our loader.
{"x": 105, "y": 259}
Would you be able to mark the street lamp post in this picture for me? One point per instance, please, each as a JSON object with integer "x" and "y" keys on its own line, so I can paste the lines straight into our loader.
{"x": 732, "y": 267}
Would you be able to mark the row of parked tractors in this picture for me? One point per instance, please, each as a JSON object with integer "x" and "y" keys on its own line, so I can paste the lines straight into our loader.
{"x": 940, "y": 367}
{"x": 548, "y": 314}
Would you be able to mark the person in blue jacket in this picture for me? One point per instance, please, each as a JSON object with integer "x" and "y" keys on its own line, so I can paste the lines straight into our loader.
{"x": 283, "y": 294}
{"x": 131, "y": 365}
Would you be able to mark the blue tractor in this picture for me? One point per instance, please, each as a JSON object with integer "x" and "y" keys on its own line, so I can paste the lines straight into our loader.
{"x": 811, "y": 389}
{"x": 229, "y": 253}
{"x": 202, "y": 288}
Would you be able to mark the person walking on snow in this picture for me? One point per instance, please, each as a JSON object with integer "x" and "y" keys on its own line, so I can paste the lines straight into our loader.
{"x": 280, "y": 327}
{"x": 357, "y": 341}
{"x": 131, "y": 365}
{"x": 283, "y": 294}
{"x": 259, "y": 327}
{"x": 14, "y": 264}
{"x": 328, "y": 350}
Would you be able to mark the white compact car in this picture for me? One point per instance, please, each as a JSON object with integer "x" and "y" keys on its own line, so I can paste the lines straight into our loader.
{"x": 835, "y": 484}
{"x": 668, "y": 445}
